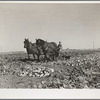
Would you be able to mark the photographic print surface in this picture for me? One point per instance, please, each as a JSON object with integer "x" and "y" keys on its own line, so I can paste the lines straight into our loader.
{"x": 50, "y": 45}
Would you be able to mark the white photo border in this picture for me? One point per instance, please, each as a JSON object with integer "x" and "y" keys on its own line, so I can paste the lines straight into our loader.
{"x": 49, "y": 93}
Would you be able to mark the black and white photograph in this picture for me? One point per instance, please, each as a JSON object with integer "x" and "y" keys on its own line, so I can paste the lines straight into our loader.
{"x": 49, "y": 45}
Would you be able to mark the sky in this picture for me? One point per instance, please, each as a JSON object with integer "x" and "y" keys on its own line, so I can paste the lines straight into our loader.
{"x": 77, "y": 26}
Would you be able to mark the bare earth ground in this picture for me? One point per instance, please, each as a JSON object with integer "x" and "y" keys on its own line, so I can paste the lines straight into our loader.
{"x": 82, "y": 70}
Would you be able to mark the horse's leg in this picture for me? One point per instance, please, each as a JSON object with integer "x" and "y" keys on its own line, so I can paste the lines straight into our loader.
{"x": 34, "y": 56}
{"x": 51, "y": 57}
{"x": 56, "y": 58}
{"x": 45, "y": 57}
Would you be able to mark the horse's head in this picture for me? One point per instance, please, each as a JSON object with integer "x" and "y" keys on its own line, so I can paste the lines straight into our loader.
{"x": 26, "y": 42}
{"x": 40, "y": 42}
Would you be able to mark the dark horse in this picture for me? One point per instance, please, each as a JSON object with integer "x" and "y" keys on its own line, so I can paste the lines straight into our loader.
{"x": 31, "y": 48}
{"x": 48, "y": 48}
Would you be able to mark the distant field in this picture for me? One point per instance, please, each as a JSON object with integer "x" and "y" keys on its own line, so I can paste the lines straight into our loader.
{"x": 82, "y": 70}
